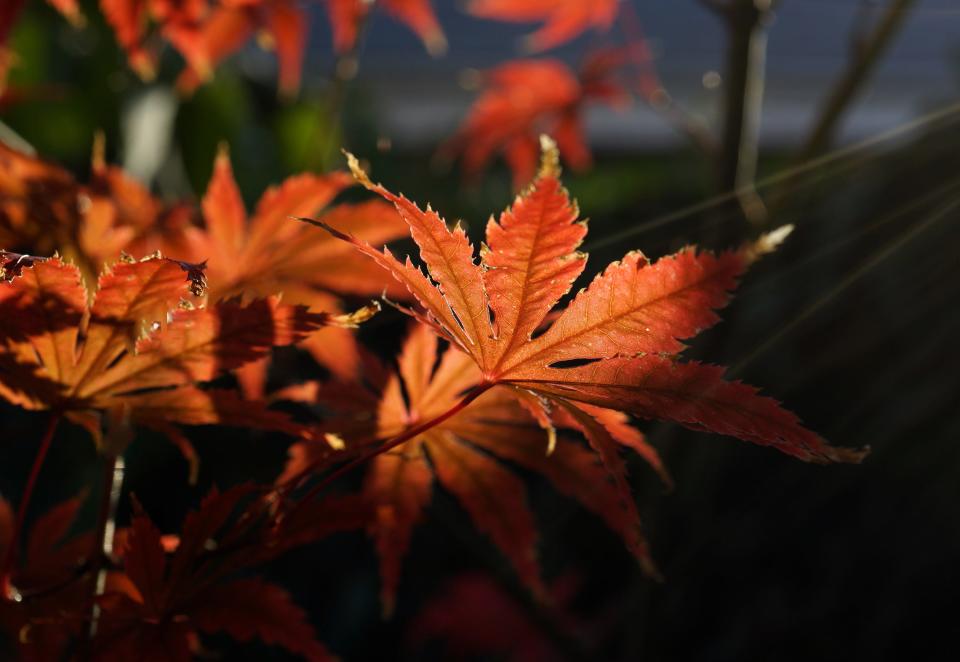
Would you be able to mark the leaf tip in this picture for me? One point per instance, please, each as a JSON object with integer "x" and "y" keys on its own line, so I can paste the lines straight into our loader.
{"x": 436, "y": 44}
{"x": 847, "y": 455}
{"x": 223, "y": 151}
{"x": 357, "y": 170}
{"x": 551, "y": 440}
{"x": 357, "y": 317}
{"x": 768, "y": 243}
{"x": 98, "y": 152}
{"x": 334, "y": 441}
{"x": 549, "y": 158}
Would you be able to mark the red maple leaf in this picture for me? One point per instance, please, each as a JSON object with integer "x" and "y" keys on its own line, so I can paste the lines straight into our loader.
{"x": 475, "y": 617}
{"x": 346, "y": 16}
{"x": 163, "y": 590}
{"x": 563, "y": 19}
{"x": 525, "y": 98}
{"x": 49, "y": 581}
{"x": 283, "y": 23}
{"x": 615, "y": 346}
{"x": 508, "y": 424}
{"x": 134, "y": 22}
{"x": 155, "y": 606}
{"x": 159, "y": 602}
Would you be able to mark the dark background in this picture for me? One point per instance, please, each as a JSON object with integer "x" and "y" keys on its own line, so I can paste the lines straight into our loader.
{"x": 852, "y": 325}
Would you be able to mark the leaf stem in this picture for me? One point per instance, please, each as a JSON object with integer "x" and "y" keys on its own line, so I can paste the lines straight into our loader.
{"x": 10, "y": 558}
{"x": 390, "y": 444}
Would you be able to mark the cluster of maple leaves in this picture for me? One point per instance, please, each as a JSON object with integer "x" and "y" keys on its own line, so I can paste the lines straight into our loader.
{"x": 205, "y": 32}
{"x": 519, "y": 100}
{"x": 520, "y": 382}
{"x": 119, "y": 311}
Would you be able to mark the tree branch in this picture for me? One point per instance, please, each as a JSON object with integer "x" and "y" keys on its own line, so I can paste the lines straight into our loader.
{"x": 744, "y": 81}
{"x": 850, "y": 83}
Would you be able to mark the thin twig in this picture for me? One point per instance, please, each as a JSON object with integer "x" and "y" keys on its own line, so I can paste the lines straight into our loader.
{"x": 866, "y": 58}
{"x": 852, "y": 80}
{"x": 948, "y": 113}
{"x": 111, "y": 488}
{"x": 851, "y": 278}
{"x": 659, "y": 99}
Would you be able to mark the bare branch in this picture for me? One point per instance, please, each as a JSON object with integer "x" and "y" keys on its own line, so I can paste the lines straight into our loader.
{"x": 746, "y": 63}
{"x": 866, "y": 57}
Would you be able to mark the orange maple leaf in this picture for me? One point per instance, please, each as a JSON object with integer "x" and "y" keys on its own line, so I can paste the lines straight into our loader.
{"x": 524, "y": 98}
{"x": 503, "y": 422}
{"x": 44, "y": 209}
{"x": 563, "y": 19}
{"x": 266, "y": 254}
{"x": 137, "y": 345}
{"x": 614, "y": 346}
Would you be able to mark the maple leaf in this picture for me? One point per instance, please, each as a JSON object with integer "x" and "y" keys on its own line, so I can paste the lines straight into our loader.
{"x": 44, "y": 209}
{"x": 563, "y": 19}
{"x": 266, "y": 254}
{"x": 457, "y": 453}
{"x": 282, "y": 24}
{"x": 346, "y": 16}
{"x": 134, "y": 21}
{"x": 45, "y": 581}
{"x": 475, "y": 617}
{"x": 521, "y": 100}
{"x": 163, "y": 602}
{"x": 614, "y": 346}
{"x": 138, "y": 347}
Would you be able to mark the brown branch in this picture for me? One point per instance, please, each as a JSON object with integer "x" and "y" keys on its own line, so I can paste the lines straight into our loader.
{"x": 867, "y": 56}
{"x": 850, "y": 83}
{"x": 659, "y": 99}
{"x": 746, "y": 22}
